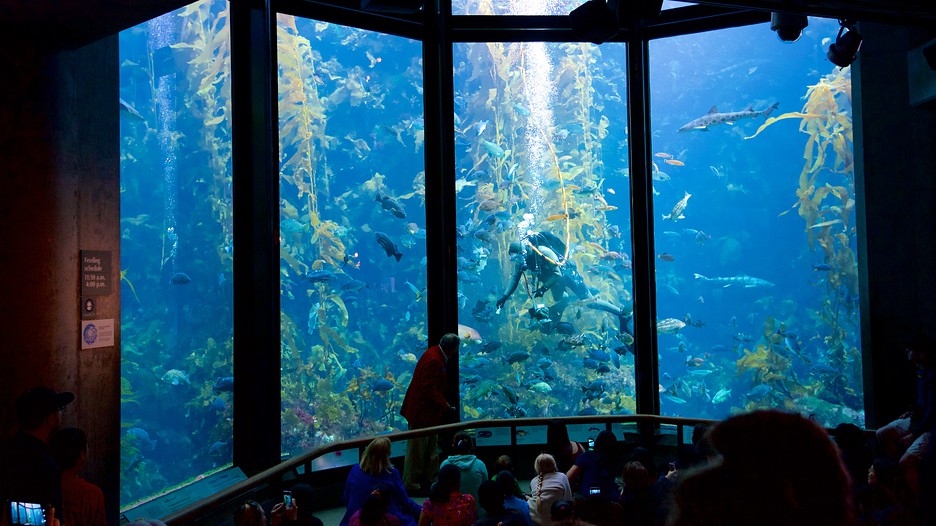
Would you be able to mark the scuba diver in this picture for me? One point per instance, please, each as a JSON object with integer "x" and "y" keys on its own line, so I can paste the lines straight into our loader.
{"x": 538, "y": 254}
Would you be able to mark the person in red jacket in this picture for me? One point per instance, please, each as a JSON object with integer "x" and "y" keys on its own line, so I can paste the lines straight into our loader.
{"x": 424, "y": 406}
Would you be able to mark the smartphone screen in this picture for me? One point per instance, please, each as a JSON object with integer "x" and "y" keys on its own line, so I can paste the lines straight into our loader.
{"x": 594, "y": 491}
{"x": 26, "y": 513}
{"x": 287, "y": 498}
{"x": 591, "y": 443}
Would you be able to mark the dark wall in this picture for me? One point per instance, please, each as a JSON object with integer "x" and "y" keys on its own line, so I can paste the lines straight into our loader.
{"x": 896, "y": 180}
{"x": 60, "y": 182}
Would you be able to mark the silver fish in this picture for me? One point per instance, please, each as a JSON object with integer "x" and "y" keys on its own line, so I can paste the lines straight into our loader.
{"x": 743, "y": 280}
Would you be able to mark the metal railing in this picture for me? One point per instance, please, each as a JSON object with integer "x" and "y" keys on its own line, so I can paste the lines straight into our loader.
{"x": 646, "y": 424}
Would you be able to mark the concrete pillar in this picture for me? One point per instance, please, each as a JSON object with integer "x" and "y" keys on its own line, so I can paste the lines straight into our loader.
{"x": 60, "y": 182}
{"x": 896, "y": 187}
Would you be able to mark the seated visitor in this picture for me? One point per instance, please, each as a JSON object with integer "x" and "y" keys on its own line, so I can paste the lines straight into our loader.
{"x": 548, "y": 487}
{"x": 28, "y": 473}
{"x": 82, "y": 501}
{"x": 508, "y": 484}
{"x": 491, "y": 497}
{"x": 562, "y": 449}
{"x": 447, "y": 505}
{"x": 473, "y": 470}
{"x": 374, "y": 511}
{"x": 594, "y": 471}
{"x": 303, "y": 498}
{"x": 641, "y": 501}
{"x": 375, "y": 469}
{"x": 885, "y": 499}
{"x": 564, "y": 513}
{"x": 250, "y": 513}
{"x": 779, "y": 468}
{"x": 908, "y": 437}
{"x": 505, "y": 463}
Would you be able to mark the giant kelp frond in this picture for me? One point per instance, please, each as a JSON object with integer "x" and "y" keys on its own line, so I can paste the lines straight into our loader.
{"x": 301, "y": 113}
{"x": 825, "y": 202}
{"x": 206, "y": 38}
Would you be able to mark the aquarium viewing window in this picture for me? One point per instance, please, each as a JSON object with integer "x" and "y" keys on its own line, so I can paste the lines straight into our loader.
{"x": 352, "y": 229}
{"x": 538, "y": 166}
{"x": 757, "y": 279}
{"x": 176, "y": 250}
{"x": 750, "y": 250}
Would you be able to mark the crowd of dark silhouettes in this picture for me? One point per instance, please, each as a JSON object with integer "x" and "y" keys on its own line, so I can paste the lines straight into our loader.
{"x": 764, "y": 467}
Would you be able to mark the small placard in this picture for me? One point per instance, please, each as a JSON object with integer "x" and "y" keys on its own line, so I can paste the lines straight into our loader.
{"x": 624, "y": 429}
{"x": 88, "y": 308}
{"x": 95, "y": 273}
{"x": 492, "y": 436}
{"x": 336, "y": 459}
{"x": 398, "y": 449}
{"x": 185, "y": 496}
{"x": 582, "y": 432}
{"x": 97, "y": 333}
{"x": 531, "y": 435}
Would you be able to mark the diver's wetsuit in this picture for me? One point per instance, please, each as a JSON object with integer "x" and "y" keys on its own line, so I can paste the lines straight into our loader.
{"x": 547, "y": 275}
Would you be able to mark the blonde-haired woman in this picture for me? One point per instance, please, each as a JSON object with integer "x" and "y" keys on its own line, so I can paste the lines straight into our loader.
{"x": 376, "y": 471}
{"x": 549, "y": 486}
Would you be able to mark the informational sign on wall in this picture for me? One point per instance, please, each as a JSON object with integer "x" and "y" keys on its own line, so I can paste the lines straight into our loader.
{"x": 97, "y": 333}
{"x": 95, "y": 273}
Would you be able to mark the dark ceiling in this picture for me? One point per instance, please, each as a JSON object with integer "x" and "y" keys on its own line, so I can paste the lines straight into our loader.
{"x": 72, "y": 23}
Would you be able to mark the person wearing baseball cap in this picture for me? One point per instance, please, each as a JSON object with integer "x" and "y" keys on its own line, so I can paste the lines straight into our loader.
{"x": 28, "y": 472}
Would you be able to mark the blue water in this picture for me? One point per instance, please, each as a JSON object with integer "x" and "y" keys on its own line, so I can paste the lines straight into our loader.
{"x": 541, "y": 146}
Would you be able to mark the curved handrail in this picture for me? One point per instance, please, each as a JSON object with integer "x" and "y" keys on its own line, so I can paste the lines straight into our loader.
{"x": 274, "y": 474}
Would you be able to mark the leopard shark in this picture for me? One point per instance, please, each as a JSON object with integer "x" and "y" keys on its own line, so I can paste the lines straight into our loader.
{"x": 713, "y": 117}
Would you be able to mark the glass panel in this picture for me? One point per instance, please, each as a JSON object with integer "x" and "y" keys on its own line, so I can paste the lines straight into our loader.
{"x": 671, "y": 4}
{"x": 757, "y": 282}
{"x": 515, "y": 7}
{"x": 176, "y": 243}
{"x": 539, "y": 164}
{"x": 352, "y": 229}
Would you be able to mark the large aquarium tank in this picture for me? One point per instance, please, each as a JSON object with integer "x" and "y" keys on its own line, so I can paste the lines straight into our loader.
{"x": 754, "y": 231}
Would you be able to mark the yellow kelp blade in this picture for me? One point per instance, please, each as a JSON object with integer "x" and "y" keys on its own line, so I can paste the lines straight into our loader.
{"x": 771, "y": 120}
{"x": 123, "y": 277}
{"x": 341, "y": 307}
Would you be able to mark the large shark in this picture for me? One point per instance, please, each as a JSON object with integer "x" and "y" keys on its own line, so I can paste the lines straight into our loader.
{"x": 713, "y": 117}
{"x": 742, "y": 280}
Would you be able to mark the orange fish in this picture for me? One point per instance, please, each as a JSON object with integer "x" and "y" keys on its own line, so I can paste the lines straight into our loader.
{"x": 666, "y": 257}
{"x": 674, "y": 162}
{"x": 663, "y": 155}
{"x": 557, "y": 217}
